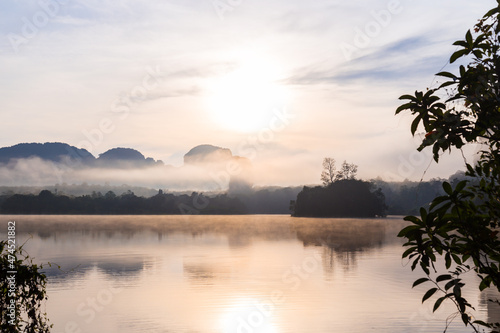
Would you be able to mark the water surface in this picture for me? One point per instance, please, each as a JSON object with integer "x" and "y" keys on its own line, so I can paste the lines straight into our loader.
{"x": 241, "y": 274}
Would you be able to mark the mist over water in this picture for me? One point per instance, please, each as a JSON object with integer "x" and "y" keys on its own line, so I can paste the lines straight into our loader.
{"x": 254, "y": 273}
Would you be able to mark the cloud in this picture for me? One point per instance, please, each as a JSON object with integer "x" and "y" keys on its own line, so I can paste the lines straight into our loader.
{"x": 387, "y": 64}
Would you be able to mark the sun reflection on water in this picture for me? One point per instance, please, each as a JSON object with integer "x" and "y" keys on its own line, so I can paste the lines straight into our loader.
{"x": 249, "y": 315}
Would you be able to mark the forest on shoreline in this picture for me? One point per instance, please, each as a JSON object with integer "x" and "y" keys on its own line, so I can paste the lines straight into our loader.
{"x": 400, "y": 198}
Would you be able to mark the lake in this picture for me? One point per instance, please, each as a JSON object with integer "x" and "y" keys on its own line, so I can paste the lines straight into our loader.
{"x": 241, "y": 274}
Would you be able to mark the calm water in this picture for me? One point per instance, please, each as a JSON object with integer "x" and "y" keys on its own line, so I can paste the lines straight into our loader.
{"x": 241, "y": 274}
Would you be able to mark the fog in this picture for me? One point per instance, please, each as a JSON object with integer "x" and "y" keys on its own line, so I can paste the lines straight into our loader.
{"x": 38, "y": 172}
{"x": 267, "y": 171}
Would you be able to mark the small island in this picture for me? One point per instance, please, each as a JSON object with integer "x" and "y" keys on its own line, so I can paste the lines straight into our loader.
{"x": 342, "y": 195}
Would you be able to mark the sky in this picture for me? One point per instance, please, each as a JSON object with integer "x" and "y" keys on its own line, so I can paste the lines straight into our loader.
{"x": 284, "y": 83}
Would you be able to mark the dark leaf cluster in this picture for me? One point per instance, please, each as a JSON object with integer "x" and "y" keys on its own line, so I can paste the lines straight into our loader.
{"x": 461, "y": 226}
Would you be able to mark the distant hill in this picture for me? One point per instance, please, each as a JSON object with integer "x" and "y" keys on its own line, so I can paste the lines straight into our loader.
{"x": 117, "y": 157}
{"x": 205, "y": 167}
{"x": 207, "y": 154}
{"x": 238, "y": 170}
{"x": 126, "y": 154}
{"x": 63, "y": 153}
{"x": 51, "y": 151}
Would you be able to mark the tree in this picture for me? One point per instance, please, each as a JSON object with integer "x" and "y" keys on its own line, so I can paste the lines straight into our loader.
{"x": 461, "y": 226}
{"x": 21, "y": 293}
{"x": 347, "y": 171}
{"x": 329, "y": 171}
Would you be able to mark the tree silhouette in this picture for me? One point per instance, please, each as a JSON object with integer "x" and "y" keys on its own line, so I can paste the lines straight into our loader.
{"x": 347, "y": 171}
{"x": 329, "y": 171}
{"x": 330, "y": 174}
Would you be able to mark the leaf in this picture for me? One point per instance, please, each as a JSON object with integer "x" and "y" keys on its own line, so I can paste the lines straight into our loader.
{"x": 414, "y": 264}
{"x": 465, "y": 318}
{"x": 457, "y": 55}
{"x": 419, "y": 281}
{"x": 413, "y": 219}
{"x": 409, "y": 251}
{"x": 482, "y": 323}
{"x": 428, "y": 294}
{"x": 447, "y": 259}
{"x": 438, "y": 201}
{"x": 408, "y": 229}
{"x": 438, "y": 303}
{"x": 456, "y": 259}
{"x": 470, "y": 169}
{"x": 423, "y": 213}
{"x": 414, "y": 124}
{"x": 460, "y": 186}
{"x": 405, "y": 107}
{"x": 450, "y": 284}
{"x": 457, "y": 291}
{"x": 447, "y": 74}
{"x": 443, "y": 277}
{"x": 484, "y": 284}
{"x": 446, "y": 84}
{"x": 447, "y": 188}
{"x": 468, "y": 38}
{"x": 491, "y": 12}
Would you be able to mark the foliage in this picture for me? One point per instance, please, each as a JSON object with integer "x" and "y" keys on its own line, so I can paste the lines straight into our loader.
{"x": 330, "y": 173}
{"x": 269, "y": 200}
{"x": 461, "y": 226}
{"x": 127, "y": 203}
{"x": 343, "y": 198}
{"x": 23, "y": 293}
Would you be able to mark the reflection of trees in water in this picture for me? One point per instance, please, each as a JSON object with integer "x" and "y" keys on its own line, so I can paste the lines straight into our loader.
{"x": 240, "y": 230}
{"x": 206, "y": 273}
{"x": 342, "y": 239}
{"x": 76, "y": 268}
{"x": 199, "y": 273}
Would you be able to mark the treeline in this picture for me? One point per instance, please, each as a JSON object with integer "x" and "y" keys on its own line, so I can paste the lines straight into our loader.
{"x": 126, "y": 204}
{"x": 269, "y": 200}
{"x": 401, "y": 198}
{"x": 406, "y": 198}
{"x": 341, "y": 198}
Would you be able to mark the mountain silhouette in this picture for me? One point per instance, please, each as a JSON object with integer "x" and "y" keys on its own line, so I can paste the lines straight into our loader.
{"x": 205, "y": 166}
{"x": 51, "y": 151}
{"x": 125, "y": 157}
{"x": 207, "y": 154}
{"x": 222, "y": 163}
{"x": 64, "y": 153}
{"x": 127, "y": 154}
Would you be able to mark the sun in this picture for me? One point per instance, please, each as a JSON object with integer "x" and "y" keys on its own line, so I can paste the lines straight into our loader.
{"x": 244, "y": 99}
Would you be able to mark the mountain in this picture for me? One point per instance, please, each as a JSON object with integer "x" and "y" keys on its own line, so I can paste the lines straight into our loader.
{"x": 125, "y": 157}
{"x": 51, "y": 151}
{"x": 63, "y": 153}
{"x": 207, "y": 154}
{"x": 223, "y": 166}
{"x": 206, "y": 167}
{"x": 126, "y": 154}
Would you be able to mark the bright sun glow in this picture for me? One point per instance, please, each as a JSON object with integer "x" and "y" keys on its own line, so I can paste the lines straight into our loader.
{"x": 245, "y": 98}
{"x": 249, "y": 315}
